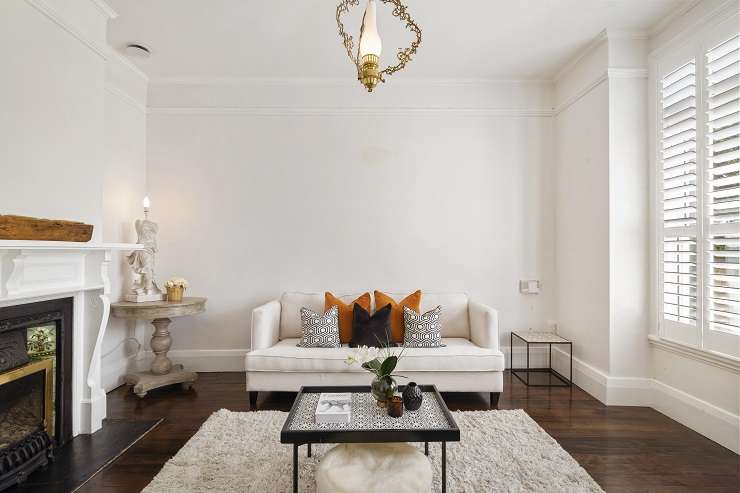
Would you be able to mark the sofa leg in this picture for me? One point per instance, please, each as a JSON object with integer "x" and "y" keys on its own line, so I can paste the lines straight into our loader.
{"x": 494, "y": 399}
{"x": 253, "y": 400}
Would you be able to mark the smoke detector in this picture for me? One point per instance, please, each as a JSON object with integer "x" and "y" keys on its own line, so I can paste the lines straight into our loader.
{"x": 137, "y": 50}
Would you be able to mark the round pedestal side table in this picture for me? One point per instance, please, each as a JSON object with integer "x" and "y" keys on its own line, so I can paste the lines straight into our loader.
{"x": 162, "y": 372}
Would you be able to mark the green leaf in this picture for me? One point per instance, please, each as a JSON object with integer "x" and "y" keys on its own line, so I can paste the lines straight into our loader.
{"x": 372, "y": 365}
{"x": 388, "y": 365}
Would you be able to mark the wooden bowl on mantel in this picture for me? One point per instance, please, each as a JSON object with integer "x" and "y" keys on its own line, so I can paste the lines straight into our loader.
{"x": 35, "y": 229}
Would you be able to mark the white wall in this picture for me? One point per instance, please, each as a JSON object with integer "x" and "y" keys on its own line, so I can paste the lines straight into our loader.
{"x": 72, "y": 129}
{"x": 253, "y": 201}
{"x": 124, "y": 185}
{"x": 601, "y": 226}
{"x": 52, "y": 120}
{"x": 628, "y": 225}
{"x": 582, "y": 208}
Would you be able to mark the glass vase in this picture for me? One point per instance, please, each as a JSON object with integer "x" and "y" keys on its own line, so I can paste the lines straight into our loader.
{"x": 383, "y": 389}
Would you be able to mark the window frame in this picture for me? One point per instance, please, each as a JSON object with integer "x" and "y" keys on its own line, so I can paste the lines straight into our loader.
{"x": 693, "y": 47}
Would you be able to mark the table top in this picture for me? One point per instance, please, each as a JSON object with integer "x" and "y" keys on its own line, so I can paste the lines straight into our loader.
{"x": 368, "y": 422}
{"x": 543, "y": 337}
{"x": 150, "y": 310}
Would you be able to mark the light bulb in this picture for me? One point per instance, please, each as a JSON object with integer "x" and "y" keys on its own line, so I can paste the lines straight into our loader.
{"x": 146, "y": 203}
{"x": 370, "y": 43}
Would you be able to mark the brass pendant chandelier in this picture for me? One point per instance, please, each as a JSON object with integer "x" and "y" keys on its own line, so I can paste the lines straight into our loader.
{"x": 367, "y": 56}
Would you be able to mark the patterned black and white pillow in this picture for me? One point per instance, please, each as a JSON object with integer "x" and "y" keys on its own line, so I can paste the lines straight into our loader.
{"x": 320, "y": 330}
{"x": 422, "y": 330}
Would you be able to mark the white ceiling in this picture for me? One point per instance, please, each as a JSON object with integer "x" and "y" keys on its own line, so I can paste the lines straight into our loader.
{"x": 462, "y": 39}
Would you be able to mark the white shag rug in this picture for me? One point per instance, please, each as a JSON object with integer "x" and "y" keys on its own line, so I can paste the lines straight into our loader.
{"x": 498, "y": 451}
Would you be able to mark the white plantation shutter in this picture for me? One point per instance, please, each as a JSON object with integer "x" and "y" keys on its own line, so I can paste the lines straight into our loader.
{"x": 722, "y": 188}
{"x": 679, "y": 190}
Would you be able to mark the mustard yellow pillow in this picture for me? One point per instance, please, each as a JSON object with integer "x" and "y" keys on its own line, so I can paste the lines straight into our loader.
{"x": 412, "y": 301}
{"x": 345, "y": 312}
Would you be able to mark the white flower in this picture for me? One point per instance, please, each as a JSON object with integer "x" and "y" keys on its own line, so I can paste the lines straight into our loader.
{"x": 362, "y": 355}
{"x": 176, "y": 282}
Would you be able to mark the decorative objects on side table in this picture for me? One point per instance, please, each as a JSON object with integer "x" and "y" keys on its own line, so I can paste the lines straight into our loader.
{"x": 530, "y": 337}
{"x": 142, "y": 261}
{"x": 176, "y": 289}
{"x": 381, "y": 363}
{"x": 162, "y": 372}
{"x": 412, "y": 396}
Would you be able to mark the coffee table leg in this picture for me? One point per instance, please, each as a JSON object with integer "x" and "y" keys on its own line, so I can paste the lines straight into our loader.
{"x": 295, "y": 468}
{"x": 309, "y": 450}
{"x": 444, "y": 467}
{"x": 426, "y": 448}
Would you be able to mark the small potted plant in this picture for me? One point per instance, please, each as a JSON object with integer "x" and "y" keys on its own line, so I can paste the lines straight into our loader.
{"x": 175, "y": 289}
{"x": 381, "y": 363}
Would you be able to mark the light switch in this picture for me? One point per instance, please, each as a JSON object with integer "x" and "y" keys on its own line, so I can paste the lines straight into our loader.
{"x": 529, "y": 287}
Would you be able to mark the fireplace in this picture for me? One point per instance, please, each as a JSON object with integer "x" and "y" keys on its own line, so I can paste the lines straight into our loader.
{"x": 35, "y": 385}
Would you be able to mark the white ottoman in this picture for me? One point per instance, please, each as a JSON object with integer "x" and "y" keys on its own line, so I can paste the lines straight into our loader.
{"x": 374, "y": 468}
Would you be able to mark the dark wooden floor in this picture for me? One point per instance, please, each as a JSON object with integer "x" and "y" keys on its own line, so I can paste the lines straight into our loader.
{"x": 623, "y": 448}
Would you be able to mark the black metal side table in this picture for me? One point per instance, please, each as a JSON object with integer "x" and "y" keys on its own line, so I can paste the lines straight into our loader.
{"x": 540, "y": 338}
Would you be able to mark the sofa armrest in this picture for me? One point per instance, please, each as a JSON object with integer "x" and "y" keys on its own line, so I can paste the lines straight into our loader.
{"x": 483, "y": 325}
{"x": 265, "y": 325}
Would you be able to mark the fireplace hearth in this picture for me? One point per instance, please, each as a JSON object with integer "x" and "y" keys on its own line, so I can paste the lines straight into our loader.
{"x": 35, "y": 385}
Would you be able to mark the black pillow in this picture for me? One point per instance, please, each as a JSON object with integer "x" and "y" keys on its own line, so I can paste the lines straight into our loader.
{"x": 374, "y": 331}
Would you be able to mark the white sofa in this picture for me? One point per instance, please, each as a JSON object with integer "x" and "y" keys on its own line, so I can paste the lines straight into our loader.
{"x": 470, "y": 361}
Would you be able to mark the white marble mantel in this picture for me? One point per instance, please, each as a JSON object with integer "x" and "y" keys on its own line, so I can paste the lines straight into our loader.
{"x": 33, "y": 271}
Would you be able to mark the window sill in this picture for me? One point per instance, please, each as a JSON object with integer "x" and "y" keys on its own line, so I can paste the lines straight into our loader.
{"x": 708, "y": 357}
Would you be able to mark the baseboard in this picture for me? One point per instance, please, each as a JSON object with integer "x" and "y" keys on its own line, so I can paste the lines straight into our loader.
{"x": 711, "y": 421}
{"x": 703, "y": 417}
{"x": 203, "y": 360}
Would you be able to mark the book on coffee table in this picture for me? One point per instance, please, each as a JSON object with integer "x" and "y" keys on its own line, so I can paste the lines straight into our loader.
{"x": 334, "y": 407}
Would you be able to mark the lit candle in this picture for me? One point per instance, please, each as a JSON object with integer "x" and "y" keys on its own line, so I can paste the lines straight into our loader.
{"x": 147, "y": 204}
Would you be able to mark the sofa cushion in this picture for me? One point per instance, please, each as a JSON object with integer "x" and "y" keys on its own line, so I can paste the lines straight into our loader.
{"x": 455, "y": 322}
{"x": 346, "y": 312}
{"x": 397, "y": 304}
{"x": 458, "y": 355}
{"x": 320, "y": 329}
{"x": 371, "y": 330}
{"x": 290, "y": 310}
{"x": 422, "y": 329}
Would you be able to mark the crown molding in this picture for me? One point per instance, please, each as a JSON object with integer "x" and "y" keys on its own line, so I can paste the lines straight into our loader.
{"x": 123, "y": 60}
{"x": 333, "y": 81}
{"x": 600, "y": 38}
{"x": 627, "y": 73}
{"x": 45, "y": 8}
{"x": 580, "y": 94}
{"x": 726, "y": 8}
{"x": 588, "y": 49}
{"x": 106, "y": 9}
{"x": 126, "y": 97}
{"x": 666, "y": 21}
{"x": 612, "y": 73}
{"x": 359, "y": 111}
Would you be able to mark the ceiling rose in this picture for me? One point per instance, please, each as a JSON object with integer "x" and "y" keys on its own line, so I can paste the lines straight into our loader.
{"x": 367, "y": 57}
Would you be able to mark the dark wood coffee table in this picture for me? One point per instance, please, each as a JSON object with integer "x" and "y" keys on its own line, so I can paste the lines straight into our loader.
{"x": 370, "y": 424}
